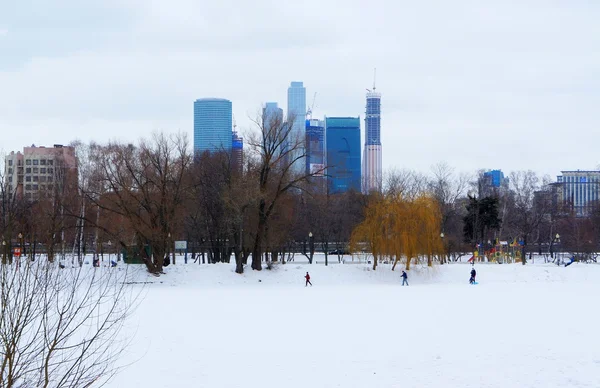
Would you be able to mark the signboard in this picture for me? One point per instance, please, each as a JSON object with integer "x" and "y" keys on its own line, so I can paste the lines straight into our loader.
{"x": 317, "y": 169}
{"x": 180, "y": 245}
{"x": 17, "y": 252}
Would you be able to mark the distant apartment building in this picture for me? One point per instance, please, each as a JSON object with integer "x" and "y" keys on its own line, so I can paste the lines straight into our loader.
{"x": 342, "y": 140}
{"x": 577, "y": 192}
{"x": 41, "y": 171}
{"x": 213, "y": 123}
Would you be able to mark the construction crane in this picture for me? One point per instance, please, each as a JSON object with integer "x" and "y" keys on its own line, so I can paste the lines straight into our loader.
{"x": 374, "y": 79}
{"x": 310, "y": 108}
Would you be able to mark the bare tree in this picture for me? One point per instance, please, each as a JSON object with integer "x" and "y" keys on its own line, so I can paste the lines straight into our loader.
{"x": 147, "y": 186}
{"x": 61, "y": 327}
{"x": 405, "y": 183}
{"x": 279, "y": 153}
{"x": 525, "y": 217}
{"x": 448, "y": 188}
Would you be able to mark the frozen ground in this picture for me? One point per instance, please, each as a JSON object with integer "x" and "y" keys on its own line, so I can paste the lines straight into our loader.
{"x": 205, "y": 326}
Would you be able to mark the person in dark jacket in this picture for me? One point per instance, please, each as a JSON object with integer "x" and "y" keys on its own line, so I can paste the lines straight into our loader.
{"x": 404, "y": 278}
{"x": 307, "y": 277}
{"x": 473, "y": 274}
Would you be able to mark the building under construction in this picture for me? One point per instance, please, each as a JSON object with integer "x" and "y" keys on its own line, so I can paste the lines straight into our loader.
{"x": 372, "y": 169}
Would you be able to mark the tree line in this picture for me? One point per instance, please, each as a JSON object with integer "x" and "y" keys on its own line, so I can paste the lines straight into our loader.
{"x": 142, "y": 197}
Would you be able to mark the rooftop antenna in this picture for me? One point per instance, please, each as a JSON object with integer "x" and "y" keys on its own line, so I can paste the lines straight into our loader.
{"x": 374, "y": 78}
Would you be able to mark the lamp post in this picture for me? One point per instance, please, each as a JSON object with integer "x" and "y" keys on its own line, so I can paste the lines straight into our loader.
{"x": 109, "y": 247}
{"x": 21, "y": 244}
{"x": 311, "y": 247}
{"x": 557, "y": 241}
{"x": 170, "y": 243}
{"x": 443, "y": 248}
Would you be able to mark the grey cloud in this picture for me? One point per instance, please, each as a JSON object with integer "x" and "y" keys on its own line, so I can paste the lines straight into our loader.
{"x": 501, "y": 84}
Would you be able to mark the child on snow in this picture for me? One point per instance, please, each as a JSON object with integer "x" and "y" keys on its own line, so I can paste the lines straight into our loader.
{"x": 307, "y": 277}
{"x": 473, "y": 274}
{"x": 404, "y": 278}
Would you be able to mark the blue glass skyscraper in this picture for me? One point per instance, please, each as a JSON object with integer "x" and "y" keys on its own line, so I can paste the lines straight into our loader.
{"x": 343, "y": 153}
{"x": 213, "y": 121}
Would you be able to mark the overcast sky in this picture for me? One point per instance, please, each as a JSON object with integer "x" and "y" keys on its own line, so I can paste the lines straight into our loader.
{"x": 478, "y": 84}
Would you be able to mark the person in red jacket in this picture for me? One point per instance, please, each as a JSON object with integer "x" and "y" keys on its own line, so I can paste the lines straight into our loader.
{"x": 307, "y": 277}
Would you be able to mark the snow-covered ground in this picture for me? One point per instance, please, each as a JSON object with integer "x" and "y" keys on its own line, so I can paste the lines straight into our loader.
{"x": 522, "y": 326}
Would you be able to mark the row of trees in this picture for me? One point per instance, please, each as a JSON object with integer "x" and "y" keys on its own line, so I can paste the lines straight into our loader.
{"x": 143, "y": 197}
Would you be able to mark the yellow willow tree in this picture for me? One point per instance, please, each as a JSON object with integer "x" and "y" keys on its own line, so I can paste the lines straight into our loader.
{"x": 373, "y": 231}
{"x": 397, "y": 227}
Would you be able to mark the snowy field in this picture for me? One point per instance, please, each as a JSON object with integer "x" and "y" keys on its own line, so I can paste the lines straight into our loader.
{"x": 522, "y": 326}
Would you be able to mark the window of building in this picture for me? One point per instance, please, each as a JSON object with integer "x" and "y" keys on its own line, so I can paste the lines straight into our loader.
{"x": 10, "y": 170}
{"x": 19, "y": 162}
{"x": 36, "y": 170}
{"x": 43, "y": 178}
{"x": 28, "y": 162}
{"x": 42, "y": 162}
{"x": 27, "y": 187}
{"x": 36, "y": 178}
{"x": 50, "y": 187}
{"x": 50, "y": 170}
{"x": 36, "y": 187}
{"x": 50, "y": 178}
{"x": 28, "y": 195}
{"x": 50, "y": 162}
{"x": 10, "y": 188}
{"x": 28, "y": 178}
{"x": 20, "y": 179}
{"x": 36, "y": 162}
{"x": 42, "y": 170}
{"x": 43, "y": 187}
{"x": 10, "y": 162}
{"x": 27, "y": 170}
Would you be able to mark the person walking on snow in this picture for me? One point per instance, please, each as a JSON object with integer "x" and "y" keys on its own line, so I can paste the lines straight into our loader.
{"x": 473, "y": 274}
{"x": 404, "y": 278}
{"x": 307, "y": 277}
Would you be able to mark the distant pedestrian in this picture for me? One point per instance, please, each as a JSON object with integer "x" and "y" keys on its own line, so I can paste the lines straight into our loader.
{"x": 307, "y": 277}
{"x": 571, "y": 261}
{"x": 473, "y": 274}
{"x": 404, "y": 278}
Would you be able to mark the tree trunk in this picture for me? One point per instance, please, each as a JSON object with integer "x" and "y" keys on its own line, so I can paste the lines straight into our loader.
{"x": 257, "y": 250}
{"x": 239, "y": 261}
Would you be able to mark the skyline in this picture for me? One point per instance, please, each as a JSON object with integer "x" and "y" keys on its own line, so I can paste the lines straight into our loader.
{"x": 506, "y": 85}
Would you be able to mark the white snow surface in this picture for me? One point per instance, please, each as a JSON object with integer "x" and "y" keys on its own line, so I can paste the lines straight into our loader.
{"x": 521, "y": 326}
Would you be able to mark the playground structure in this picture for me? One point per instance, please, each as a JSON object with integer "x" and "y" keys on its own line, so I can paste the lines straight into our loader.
{"x": 500, "y": 252}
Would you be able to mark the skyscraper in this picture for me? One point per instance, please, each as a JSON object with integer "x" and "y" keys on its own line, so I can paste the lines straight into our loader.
{"x": 212, "y": 125}
{"x": 315, "y": 146}
{"x": 237, "y": 153}
{"x": 296, "y": 110}
{"x": 272, "y": 111}
{"x": 342, "y": 142}
{"x": 372, "y": 169}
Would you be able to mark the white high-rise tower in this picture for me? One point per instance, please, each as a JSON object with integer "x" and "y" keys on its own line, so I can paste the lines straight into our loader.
{"x": 372, "y": 169}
